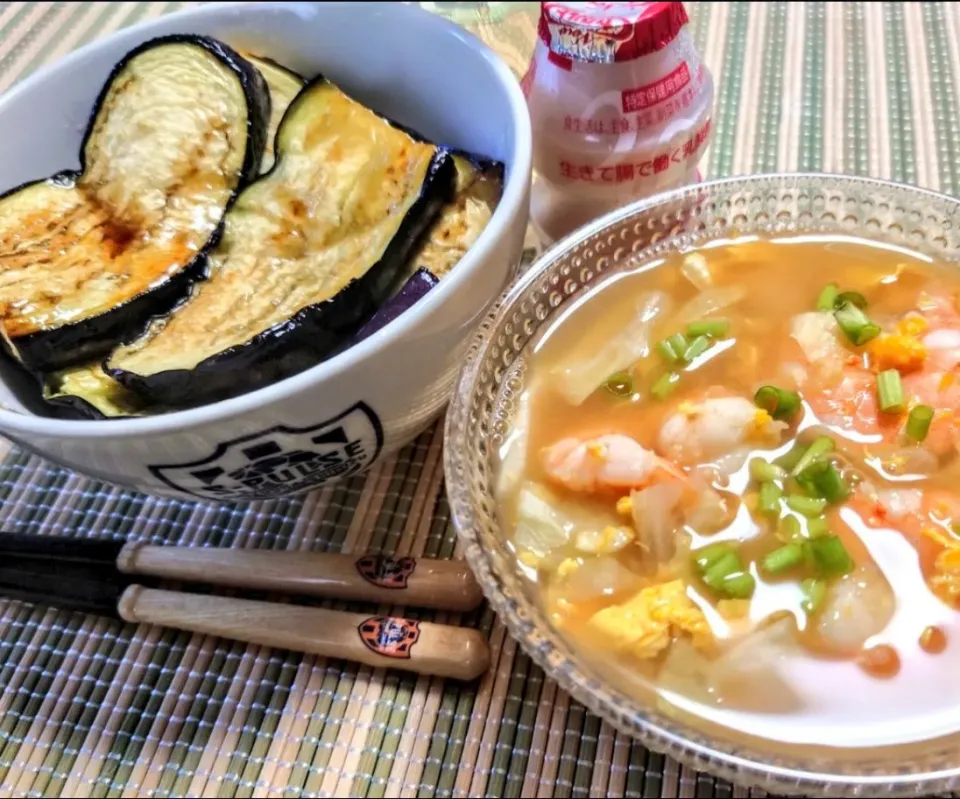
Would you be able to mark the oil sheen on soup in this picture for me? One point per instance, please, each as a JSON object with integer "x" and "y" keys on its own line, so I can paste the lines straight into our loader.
{"x": 734, "y": 479}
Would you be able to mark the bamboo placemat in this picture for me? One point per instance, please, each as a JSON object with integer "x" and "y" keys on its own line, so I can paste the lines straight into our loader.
{"x": 90, "y": 707}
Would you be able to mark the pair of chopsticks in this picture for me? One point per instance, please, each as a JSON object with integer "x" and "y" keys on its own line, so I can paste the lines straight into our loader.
{"x": 106, "y": 578}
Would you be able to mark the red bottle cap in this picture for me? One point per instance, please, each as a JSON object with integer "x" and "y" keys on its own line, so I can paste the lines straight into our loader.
{"x": 608, "y": 32}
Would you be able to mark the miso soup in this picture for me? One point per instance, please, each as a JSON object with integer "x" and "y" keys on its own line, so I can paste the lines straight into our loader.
{"x": 736, "y": 485}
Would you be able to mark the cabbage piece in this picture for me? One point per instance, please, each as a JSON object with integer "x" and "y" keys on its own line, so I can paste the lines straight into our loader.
{"x": 749, "y": 675}
{"x": 656, "y": 516}
{"x": 858, "y": 606}
{"x": 514, "y": 451}
{"x": 598, "y": 578}
{"x": 607, "y": 541}
{"x": 579, "y": 378}
{"x": 732, "y": 462}
{"x": 541, "y": 528}
{"x": 547, "y": 522}
{"x": 709, "y": 302}
{"x": 818, "y": 335}
{"x": 713, "y": 511}
{"x": 696, "y": 269}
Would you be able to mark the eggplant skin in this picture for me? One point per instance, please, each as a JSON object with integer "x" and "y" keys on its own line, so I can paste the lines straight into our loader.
{"x": 91, "y": 225}
{"x": 416, "y": 287}
{"x": 348, "y": 199}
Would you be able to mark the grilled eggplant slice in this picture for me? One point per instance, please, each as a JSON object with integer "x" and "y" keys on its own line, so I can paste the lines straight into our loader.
{"x": 87, "y": 392}
{"x": 479, "y": 188}
{"x": 284, "y": 85}
{"x": 309, "y": 251}
{"x": 87, "y": 257}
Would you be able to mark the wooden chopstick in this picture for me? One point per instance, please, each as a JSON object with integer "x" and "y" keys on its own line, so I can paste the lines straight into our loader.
{"x": 84, "y": 582}
{"x": 45, "y": 570}
{"x": 32, "y": 597}
{"x": 415, "y": 582}
{"x": 90, "y": 591}
{"x": 60, "y": 547}
{"x": 380, "y": 641}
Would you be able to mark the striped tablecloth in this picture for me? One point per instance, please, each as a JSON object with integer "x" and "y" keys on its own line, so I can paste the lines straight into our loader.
{"x": 90, "y": 707}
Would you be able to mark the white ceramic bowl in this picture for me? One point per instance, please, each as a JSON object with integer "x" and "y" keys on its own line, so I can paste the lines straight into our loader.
{"x": 339, "y": 417}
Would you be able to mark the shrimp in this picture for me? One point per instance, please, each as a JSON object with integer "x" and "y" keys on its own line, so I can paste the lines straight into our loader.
{"x": 612, "y": 462}
{"x": 924, "y": 347}
{"x": 943, "y": 348}
{"x": 698, "y": 433}
{"x": 926, "y": 518}
{"x": 938, "y": 310}
{"x": 852, "y": 405}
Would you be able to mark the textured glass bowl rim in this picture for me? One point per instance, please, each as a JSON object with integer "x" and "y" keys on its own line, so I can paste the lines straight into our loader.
{"x": 687, "y": 744}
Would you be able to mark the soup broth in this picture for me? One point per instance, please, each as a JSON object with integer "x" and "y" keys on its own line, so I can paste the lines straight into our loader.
{"x": 735, "y": 484}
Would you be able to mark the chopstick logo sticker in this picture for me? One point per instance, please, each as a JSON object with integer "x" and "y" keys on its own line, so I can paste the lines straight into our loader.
{"x": 386, "y": 572}
{"x": 282, "y": 460}
{"x": 389, "y": 636}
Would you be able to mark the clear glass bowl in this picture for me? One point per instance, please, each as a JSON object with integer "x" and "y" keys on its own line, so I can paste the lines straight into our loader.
{"x": 480, "y": 415}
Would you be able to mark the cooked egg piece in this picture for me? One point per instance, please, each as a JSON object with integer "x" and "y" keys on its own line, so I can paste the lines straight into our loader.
{"x": 645, "y": 625}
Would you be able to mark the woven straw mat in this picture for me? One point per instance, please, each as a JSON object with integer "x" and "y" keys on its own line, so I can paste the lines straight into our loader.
{"x": 91, "y": 707}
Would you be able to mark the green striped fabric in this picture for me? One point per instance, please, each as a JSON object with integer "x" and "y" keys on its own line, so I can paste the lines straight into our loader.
{"x": 91, "y": 707}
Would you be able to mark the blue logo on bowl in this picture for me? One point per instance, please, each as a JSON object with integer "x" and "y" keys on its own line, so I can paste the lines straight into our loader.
{"x": 282, "y": 460}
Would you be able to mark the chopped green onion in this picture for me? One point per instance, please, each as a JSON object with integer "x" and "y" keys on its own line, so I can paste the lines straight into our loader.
{"x": 665, "y": 385}
{"x": 918, "y": 422}
{"x": 811, "y": 507}
{"x": 778, "y": 402}
{"x": 786, "y": 557}
{"x": 789, "y": 530}
{"x": 673, "y": 348}
{"x": 828, "y": 297}
{"x": 763, "y": 471}
{"x": 820, "y": 447}
{"x": 739, "y": 585}
{"x": 668, "y": 353}
{"x": 696, "y": 348}
{"x": 853, "y": 297}
{"x": 831, "y": 556}
{"x": 679, "y": 342}
{"x": 869, "y": 333}
{"x": 850, "y": 317}
{"x": 727, "y": 564}
{"x": 890, "y": 391}
{"x": 790, "y": 459}
{"x": 855, "y": 324}
{"x": 619, "y": 384}
{"x": 833, "y": 487}
{"x": 821, "y": 479}
{"x": 817, "y": 527}
{"x": 711, "y": 554}
{"x": 769, "y": 500}
{"x": 713, "y": 328}
{"x": 808, "y": 559}
{"x": 814, "y": 592}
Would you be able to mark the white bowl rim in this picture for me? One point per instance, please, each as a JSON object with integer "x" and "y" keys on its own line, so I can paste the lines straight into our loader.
{"x": 514, "y": 194}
